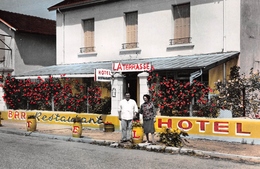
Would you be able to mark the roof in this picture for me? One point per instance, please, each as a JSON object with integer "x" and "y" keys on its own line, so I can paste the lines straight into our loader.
{"x": 66, "y": 4}
{"x": 200, "y": 61}
{"x": 27, "y": 23}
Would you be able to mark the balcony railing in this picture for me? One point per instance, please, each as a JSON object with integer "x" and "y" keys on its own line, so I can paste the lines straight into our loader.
{"x": 87, "y": 49}
{"x": 180, "y": 41}
{"x": 130, "y": 45}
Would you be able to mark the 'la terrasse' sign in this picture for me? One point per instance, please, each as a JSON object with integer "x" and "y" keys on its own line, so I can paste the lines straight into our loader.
{"x": 131, "y": 67}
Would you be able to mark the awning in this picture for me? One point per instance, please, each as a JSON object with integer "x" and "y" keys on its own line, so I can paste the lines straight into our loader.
{"x": 198, "y": 61}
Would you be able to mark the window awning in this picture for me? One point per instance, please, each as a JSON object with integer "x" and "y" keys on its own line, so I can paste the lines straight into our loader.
{"x": 198, "y": 61}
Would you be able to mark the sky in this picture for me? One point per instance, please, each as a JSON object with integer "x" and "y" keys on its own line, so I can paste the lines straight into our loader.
{"x": 31, "y": 7}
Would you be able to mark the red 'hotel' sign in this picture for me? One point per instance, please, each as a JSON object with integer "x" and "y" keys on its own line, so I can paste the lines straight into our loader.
{"x": 131, "y": 67}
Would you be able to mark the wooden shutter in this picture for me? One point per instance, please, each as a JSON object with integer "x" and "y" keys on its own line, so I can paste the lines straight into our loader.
{"x": 131, "y": 27}
{"x": 89, "y": 32}
{"x": 2, "y": 47}
{"x": 182, "y": 21}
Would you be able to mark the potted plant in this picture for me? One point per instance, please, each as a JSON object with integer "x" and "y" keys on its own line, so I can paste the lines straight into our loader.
{"x": 77, "y": 127}
{"x": 109, "y": 127}
{"x": 137, "y": 132}
{"x": 31, "y": 123}
{"x": 172, "y": 137}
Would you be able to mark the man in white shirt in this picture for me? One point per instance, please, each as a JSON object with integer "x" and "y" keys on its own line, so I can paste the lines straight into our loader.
{"x": 127, "y": 111}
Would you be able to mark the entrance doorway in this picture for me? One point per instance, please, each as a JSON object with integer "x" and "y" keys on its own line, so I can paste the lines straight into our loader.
{"x": 131, "y": 84}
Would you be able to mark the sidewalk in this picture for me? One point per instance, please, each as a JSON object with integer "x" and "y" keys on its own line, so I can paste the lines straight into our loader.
{"x": 197, "y": 147}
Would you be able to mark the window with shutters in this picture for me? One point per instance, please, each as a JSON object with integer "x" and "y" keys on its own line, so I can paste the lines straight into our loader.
{"x": 3, "y": 48}
{"x": 131, "y": 30}
{"x": 181, "y": 15}
{"x": 89, "y": 37}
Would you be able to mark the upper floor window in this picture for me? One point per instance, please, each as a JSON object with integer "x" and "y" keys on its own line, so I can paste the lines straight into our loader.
{"x": 4, "y": 41}
{"x": 131, "y": 30}
{"x": 181, "y": 15}
{"x": 89, "y": 30}
{"x": 2, "y": 47}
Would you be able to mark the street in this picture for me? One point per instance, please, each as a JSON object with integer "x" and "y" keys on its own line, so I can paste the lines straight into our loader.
{"x": 33, "y": 152}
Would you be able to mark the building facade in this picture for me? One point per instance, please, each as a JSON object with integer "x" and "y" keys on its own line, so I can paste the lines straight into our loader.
{"x": 178, "y": 38}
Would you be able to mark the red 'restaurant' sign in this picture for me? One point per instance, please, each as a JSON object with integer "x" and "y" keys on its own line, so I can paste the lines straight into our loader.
{"x": 131, "y": 67}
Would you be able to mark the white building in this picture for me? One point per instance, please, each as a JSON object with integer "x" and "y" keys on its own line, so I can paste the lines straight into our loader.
{"x": 177, "y": 37}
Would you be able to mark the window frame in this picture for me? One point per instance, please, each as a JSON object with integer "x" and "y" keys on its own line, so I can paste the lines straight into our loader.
{"x": 181, "y": 24}
{"x": 89, "y": 36}
{"x": 131, "y": 25}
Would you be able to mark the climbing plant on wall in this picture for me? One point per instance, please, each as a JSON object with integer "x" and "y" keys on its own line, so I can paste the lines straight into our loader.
{"x": 37, "y": 94}
{"x": 174, "y": 97}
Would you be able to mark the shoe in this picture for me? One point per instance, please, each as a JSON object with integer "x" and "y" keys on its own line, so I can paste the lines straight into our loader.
{"x": 123, "y": 141}
{"x": 129, "y": 140}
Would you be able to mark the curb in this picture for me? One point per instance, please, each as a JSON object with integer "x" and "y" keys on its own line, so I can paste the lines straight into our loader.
{"x": 140, "y": 146}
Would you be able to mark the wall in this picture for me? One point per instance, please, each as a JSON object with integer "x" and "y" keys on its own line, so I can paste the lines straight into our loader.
{"x": 214, "y": 28}
{"x": 34, "y": 51}
{"x": 209, "y": 128}
{"x": 29, "y": 51}
{"x": 215, "y": 129}
{"x": 250, "y": 35}
{"x": 64, "y": 118}
{"x": 216, "y": 73}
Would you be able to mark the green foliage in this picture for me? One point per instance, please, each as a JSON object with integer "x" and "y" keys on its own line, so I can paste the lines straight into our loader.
{"x": 231, "y": 92}
{"x": 38, "y": 94}
{"x": 240, "y": 93}
{"x": 104, "y": 107}
{"x": 208, "y": 109}
{"x": 172, "y": 137}
{"x": 136, "y": 123}
{"x": 175, "y": 97}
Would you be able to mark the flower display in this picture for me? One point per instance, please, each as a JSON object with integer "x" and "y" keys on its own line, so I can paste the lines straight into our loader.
{"x": 172, "y": 137}
{"x": 240, "y": 94}
{"x": 169, "y": 94}
{"x": 108, "y": 122}
{"x": 136, "y": 123}
{"x": 67, "y": 94}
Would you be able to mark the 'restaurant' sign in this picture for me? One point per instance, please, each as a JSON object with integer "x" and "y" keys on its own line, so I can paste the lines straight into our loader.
{"x": 131, "y": 67}
{"x": 102, "y": 75}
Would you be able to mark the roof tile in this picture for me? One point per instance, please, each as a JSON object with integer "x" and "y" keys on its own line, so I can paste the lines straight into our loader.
{"x": 27, "y": 23}
{"x": 76, "y": 3}
{"x": 200, "y": 61}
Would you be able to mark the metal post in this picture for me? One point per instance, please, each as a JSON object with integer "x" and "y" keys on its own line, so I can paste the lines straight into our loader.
{"x": 52, "y": 103}
{"x": 87, "y": 100}
{"x": 224, "y": 73}
{"x": 193, "y": 76}
{"x": 52, "y": 99}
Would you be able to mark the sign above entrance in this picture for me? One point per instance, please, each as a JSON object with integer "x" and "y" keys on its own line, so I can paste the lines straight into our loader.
{"x": 131, "y": 67}
{"x": 102, "y": 75}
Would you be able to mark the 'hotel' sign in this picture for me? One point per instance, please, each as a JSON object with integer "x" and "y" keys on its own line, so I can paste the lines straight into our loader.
{"x": 102, "y": 75}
